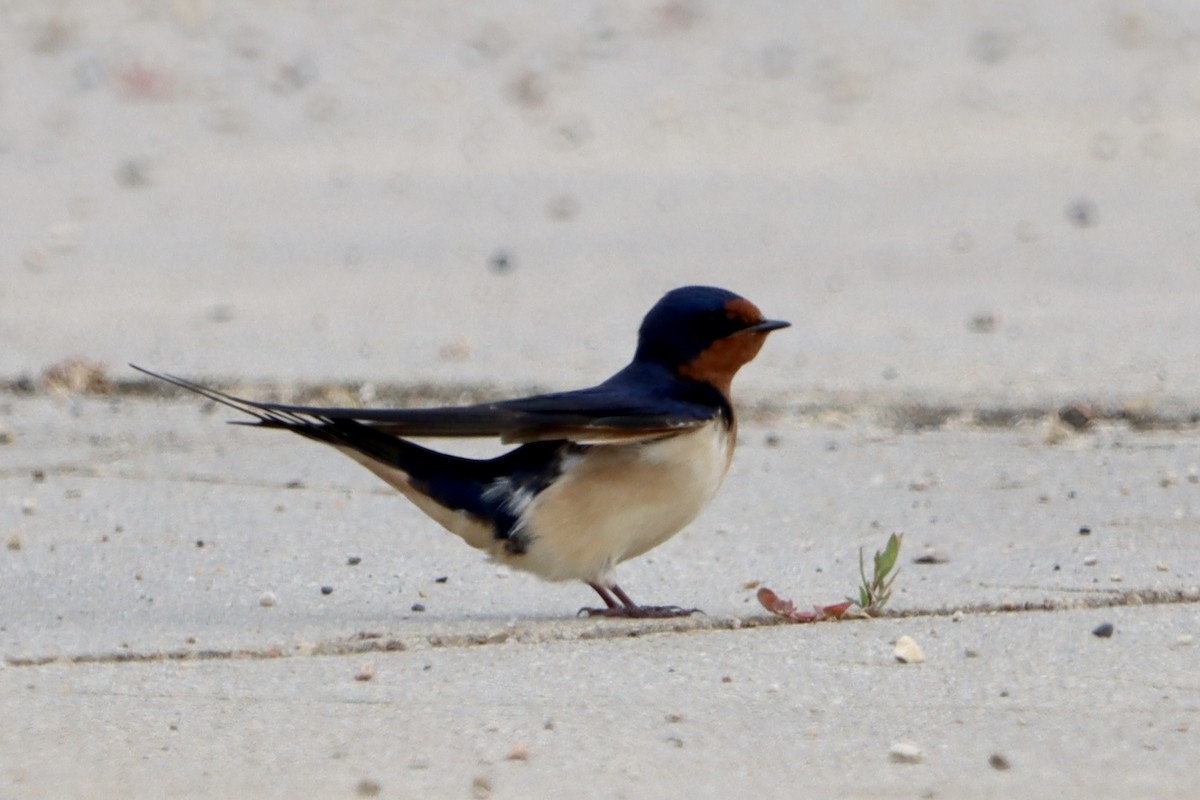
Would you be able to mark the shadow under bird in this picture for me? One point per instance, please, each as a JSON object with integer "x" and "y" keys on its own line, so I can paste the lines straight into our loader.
{"x": 600, "y": 475}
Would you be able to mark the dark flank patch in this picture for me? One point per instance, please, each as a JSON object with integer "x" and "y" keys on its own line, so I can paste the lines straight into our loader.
{"x": 524, "y": 473}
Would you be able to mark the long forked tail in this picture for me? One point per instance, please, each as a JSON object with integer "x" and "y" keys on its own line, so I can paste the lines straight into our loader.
{"x": 266, "y": 417}
{"x": 473, "y": 498}
{"x": 329, "y": 429}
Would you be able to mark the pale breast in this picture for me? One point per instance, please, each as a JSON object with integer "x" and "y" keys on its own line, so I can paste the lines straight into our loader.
{"x": 617, "y": 502}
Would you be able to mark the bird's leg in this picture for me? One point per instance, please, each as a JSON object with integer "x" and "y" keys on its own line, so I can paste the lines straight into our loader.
{"x": 627, "y": 608}
{"x": 605, "y": 595}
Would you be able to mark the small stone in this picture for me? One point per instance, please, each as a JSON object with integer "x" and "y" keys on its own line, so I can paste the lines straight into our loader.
{"x": 1084, "y": 530}
{"x": 932, "y": 557}
{"x": 368, "y": 788}
{"x": 905, "y": 753}
{"x": 14, "y": 542}
{"x": 6, "y": 437}
{"x": 1104, "y": 630}
{"x": 326, "y": 590}
{"x": 1184, "y": 639}
{"x": 907, "y": 651}
{"x": 983, "y": 322}
{"x": 481, "y": 788}
{"x": 969, "y": 653}
{"x": 674, "y": 718}
{"x": 366, "y": 673}
{"x": 518, "y": 752}
{"x": 501, "y": 262}
{"x": 1161, "y": 567}
{"x": 1078, "y": 415}
{"x": 1090, "y": 561}
{"x": 354, "y": 561}
{"x": 441, "y": 579}
{"x": 418, "y": 607}
{"x": 29, "y": 506}
{"x": 267, "y": 599}
{"x": 999, "y": 762}
{"x": 1082, "y": 213}
{"x": 133, "y": 173}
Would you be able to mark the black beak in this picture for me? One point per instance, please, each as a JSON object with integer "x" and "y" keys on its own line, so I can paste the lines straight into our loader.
{"x": 766, "y": 326}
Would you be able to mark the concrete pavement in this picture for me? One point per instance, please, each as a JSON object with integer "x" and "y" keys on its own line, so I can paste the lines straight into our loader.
{"x": 140, "y": 659}
{"x": 975, "y": 215}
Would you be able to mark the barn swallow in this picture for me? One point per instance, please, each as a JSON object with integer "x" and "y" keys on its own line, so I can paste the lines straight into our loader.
{"x": 600, "y": 475}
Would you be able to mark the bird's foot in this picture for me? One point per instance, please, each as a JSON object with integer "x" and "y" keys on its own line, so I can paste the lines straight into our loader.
{"x": 640, "y": 612}
{"x": 619, "y": 604}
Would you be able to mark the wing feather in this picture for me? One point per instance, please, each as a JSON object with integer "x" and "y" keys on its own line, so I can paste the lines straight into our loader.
{"x": 617, "y": 411}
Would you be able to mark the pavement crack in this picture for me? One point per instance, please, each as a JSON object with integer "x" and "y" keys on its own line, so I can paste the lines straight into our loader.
{"x": 538, "y": 632}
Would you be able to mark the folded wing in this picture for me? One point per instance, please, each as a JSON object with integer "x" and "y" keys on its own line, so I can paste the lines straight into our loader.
{"x": 616, "y": 411}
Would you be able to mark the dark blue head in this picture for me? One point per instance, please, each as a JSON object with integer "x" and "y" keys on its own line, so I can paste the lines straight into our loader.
{"x": 703, "y": 333}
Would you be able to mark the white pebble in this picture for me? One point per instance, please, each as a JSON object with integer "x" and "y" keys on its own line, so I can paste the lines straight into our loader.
{"x": 905, "y": 753}
{"x": 29, "y": 506}
{"x": 908, "y": 651}
{"x": 267, "y": 599}
{"x": 1090, "y": 561}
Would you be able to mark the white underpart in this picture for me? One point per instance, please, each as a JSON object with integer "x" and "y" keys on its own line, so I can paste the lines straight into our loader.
{"x": 610, "y": 503}
{"x": 616, "y": 502}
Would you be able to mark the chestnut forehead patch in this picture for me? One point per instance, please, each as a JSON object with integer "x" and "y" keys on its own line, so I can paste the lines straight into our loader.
{"x": 742, "y": 309}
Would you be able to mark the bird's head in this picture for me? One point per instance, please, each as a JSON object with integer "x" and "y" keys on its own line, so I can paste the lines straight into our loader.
{"x": 703, "y": 333}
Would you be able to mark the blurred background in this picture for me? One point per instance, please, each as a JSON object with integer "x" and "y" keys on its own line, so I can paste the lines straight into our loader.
{"x": 951, "y": 201}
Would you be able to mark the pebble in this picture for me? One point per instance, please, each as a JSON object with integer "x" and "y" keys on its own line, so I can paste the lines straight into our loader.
{"x": 326, "y": 590}
{"x": 905, "y": 753}
{"x": 998, "y": 761}
{"x": 368, "y": 788}
{"x": 418, "y": 606}
{"x": 501, "y": 262}
{"x": 1090, "y": 561}
{"x": 267, "y": 599}
{"x": 1104, "y": 630}
{"x": 354, "y": 561}
{"x": 908, "y": 651}
{"x": 29, "y": 506}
